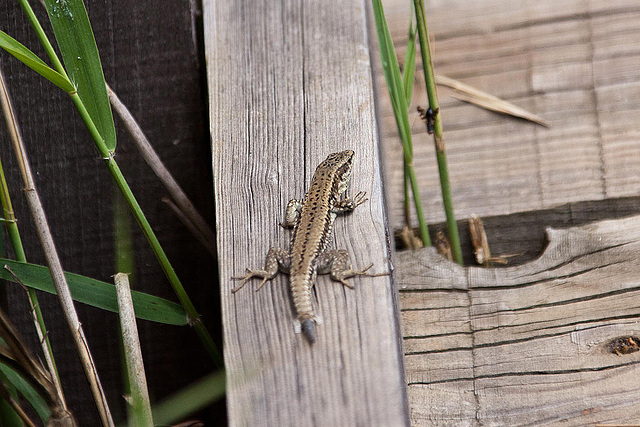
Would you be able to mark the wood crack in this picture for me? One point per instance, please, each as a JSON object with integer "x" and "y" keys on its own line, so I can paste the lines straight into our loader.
{"x": 569, "y": 301}
{"x": 546, "y": 279}
{"x": 530, "y": 373}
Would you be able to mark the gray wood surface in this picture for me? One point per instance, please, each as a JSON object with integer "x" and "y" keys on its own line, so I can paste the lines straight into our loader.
{"x": 522, "y": 236}
{"x": 574, "y": 62}
{"x": 526, "y": 345}
{"x": 288, "y": 84}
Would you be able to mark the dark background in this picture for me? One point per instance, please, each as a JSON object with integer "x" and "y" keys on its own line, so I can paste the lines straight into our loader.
{"x": 152, "y": 57}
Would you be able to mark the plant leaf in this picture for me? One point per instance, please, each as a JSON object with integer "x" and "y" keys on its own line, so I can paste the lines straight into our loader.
{"x": 409, "y": 64}
{"x": 394, "y": 78}
{"x": 485, "y": 100}
{"x": 32, "y": 61}
{"x": 82, "y": 62}
{"x": 27, "y": 390}
{"x": 95, "y": 292}
{"x": 190, "y": 399}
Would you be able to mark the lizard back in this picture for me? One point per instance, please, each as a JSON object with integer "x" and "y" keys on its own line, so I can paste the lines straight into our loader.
{"x": 313, "y": 231}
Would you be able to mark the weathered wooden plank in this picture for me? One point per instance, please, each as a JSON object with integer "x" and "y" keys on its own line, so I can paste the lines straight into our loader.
{"x": 532, "y": 344}
{"x": 571, "y": 62}
{"x": 457, "y": 404}
{"x": 522, "y": 236}
{"x": 290, "y": 83}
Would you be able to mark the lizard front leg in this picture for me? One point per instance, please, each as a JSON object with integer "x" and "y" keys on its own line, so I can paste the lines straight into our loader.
{"x": 292, "y": 214}
{"x": 338, "y": 264}
{"x": 276, "y": 258}
{"x": 349, "y": 204}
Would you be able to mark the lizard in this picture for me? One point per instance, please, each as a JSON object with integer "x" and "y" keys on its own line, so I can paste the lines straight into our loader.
{"x": 312, "y": 222}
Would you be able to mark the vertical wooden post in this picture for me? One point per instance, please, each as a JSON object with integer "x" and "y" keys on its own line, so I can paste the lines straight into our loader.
{"x": 289, "y": 83}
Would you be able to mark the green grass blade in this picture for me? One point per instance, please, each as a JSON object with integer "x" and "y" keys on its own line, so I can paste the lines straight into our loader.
{"x": 190, "y": 399}
{"x": 441, "y": 156}
{"x": 95, "y": 293}
{"x": 392, "y": 75}
{"x": 8, "y": 415}
{"x": 82, "y": 62}
{"x": 407, "y": 80}
{"x": 32, "y": 61}
{"x": 409, "y": 64}
{"x": 400, "y": 109}
{"x": 26, "y": 390}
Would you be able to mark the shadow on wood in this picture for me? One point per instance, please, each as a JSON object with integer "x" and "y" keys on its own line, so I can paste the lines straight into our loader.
{"x": 522, "y": 235}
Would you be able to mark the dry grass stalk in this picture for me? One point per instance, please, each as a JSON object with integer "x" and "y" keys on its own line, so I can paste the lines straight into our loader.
{"x": 483, "y": 99}
{"x": 133, "y": 354}
{"x": 194, "y": 221}
{"x": 51, "y": 256}
{"x": 443, "y": 245}
{"x": 409, "y": 238}
{"x": 14, "y": 353}
{"x": 480, "y": 244}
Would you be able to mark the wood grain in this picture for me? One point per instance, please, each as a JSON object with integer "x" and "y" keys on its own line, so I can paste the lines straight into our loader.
{"x": 290, "y": 83}
{"x": 573, "y": 62}
{"x": 526, "y": 345}
{"x": 522, "y": 236}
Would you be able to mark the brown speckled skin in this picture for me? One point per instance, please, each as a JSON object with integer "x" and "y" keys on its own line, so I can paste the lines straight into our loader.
{"x": 312, "y": 221}
{"x": 312, "y": 232}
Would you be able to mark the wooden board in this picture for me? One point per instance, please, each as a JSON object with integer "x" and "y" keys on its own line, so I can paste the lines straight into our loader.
{"x": 527, "y": 345}
{"x": 572, "y": 62}
{"x": 522, "y": 236}
{"x": 290, "y": 83}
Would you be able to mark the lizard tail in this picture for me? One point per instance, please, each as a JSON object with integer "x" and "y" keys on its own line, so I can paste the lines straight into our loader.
{"x": 309, "y": 330}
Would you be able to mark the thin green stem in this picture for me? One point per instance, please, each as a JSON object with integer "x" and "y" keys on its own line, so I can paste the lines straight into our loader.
{"x": 185, "y": 301}
{"x": 16, "y": 242}
{"x": 407, "y": 204}
{"x": 192, "y": 398}
{"x": 409, "y": 70}
{"x": 398, "y": 95}
{"x": 407, "y": 149}
{"x": 407, "y": 80}
{"x": 194, "y": 317}
{"x": 427, "y": 65}
{"x": 424, "y": 230}
{"x": 42, "y": 36}
{"x": 123, "y": 253}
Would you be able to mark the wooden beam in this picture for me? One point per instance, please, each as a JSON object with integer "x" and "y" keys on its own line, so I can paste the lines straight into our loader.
{"x": 573, "y": 62}
{"x": 553, "y": 341}
{"x": 522, "y": 236}
{"x": 289, "y": 83}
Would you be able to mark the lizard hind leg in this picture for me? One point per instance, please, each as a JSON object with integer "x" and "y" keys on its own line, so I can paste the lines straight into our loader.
{"x": 338, "y": 264}
{"x": 277, "y": 258}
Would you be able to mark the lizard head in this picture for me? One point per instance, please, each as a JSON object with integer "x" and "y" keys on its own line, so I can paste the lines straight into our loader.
{"x": 340, "y": 163}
